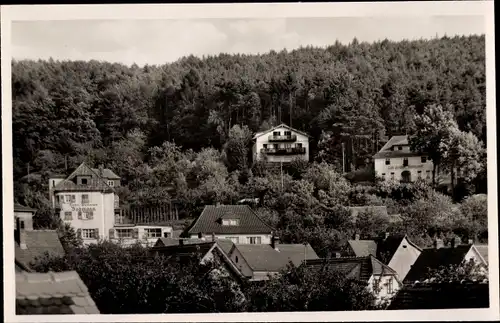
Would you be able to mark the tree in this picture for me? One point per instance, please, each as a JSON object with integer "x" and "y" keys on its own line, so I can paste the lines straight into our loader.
{"x": 130, "y": 280}
{"x": 436, "y": 129}
{"x": 236, "y": 148}
{"x": 305, "y": 289}
{"x": 466, "y": 271}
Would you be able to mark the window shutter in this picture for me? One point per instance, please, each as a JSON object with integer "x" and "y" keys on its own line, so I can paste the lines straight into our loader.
{"x": 111, "y": 233}
{"x": 96, "y": 233}
{"x": 73, "y": 199}
{"x": 135, "y": 234}
{"x": 79, "y": 215}
{"x": 91, "y": 215}
{"x": 79, "y": 233}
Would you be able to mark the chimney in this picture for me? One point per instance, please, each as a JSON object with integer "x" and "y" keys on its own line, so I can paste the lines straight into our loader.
{"x": 356, "y": 236}
{"x": 101, "y": 170}
{"x": 455, "y": 242}
{"x": 471, "y": 241}
{"x": 213, "y": 236}
{"x": 438, "y": 243}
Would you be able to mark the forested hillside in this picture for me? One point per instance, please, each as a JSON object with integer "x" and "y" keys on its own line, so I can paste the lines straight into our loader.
{"x": 155, "y": 125}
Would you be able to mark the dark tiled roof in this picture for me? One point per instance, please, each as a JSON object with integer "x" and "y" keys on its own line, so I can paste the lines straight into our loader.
{"x": 263, "y": 257}
{"x": 188, "y": 249}
{"x": 441, "y": 296}
{"x": 432, "y": 258}
{"x": 96, "y": 183}
{"x": 363, "y": 248}
{"x": 107, "y": 173}
{"x": 210, "y": 219}
{"x": 386, "y": 151}
{"x": 21, "y": 208}
{"x": 52, "y": 293}
{"x": 361, "y": 268}
{"x": 166, "y": 242}
{"x": 38, "y": 242}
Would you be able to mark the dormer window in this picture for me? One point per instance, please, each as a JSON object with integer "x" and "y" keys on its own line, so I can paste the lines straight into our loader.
{"x": 84, "y": 181}
{"x": 387, "y": 161}
{"x": 230, "y": 222}
{"x": 423, "y": 159}
{"x": 400, "y": 147}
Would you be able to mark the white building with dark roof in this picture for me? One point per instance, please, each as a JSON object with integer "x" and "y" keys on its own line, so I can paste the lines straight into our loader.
{"x": 395, "y": 161}
{"x": 280, "y": 144}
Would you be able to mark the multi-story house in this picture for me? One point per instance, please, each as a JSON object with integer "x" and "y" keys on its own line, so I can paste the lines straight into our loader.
{"x": 87, "y": 200}
{"x": 395, "y": 161}
{"x": 238, "y": 223}
{"x": 280, "y": 144}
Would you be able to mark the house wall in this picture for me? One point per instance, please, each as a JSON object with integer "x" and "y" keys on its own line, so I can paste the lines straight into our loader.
{"x": 474, "y": 254}
{"x": 102, "y": 206}
{"x": 263, "y": 275}
{"x": 396, "y": 166}
{"x": 240, "y": 263}
{"x": 384, "y": 293}
{"x": 404, "y": 258}
{"x": 242, "y": 238}
{"x": 143, "y": 239}
{"x": 264, "y": 139}
{"x": 26, "y": 217}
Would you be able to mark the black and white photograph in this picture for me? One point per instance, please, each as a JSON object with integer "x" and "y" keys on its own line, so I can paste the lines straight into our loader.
{"x": 258, "y": 162}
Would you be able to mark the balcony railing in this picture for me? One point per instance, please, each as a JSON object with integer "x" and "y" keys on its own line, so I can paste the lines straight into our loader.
{"x": 282, "y": 138}
{"x": 284, "y": 151}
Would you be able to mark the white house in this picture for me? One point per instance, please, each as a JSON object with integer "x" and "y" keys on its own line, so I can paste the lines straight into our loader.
{"x": 280, "y": 144}
{"x": 87, "y": 201}
{"x": 395, "y": 161}
{"x": 238, "y": 223}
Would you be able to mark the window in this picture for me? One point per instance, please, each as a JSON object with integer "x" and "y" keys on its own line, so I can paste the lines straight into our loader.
{"x": 88, "y": 233}
{"x": 392, "y": 175}
{"x": 383, "y": 174}
{"x": 389, "y": 287}
{"x": 276, "y": 133}
{"x": 88, "y": 215}
{"x": 166, "y": 234}
{"x": 68, "y": 216}
{"x": 265, "y": 146}
{"x": 423, "y": 159}
{"x": 428, "y": 174}
{"x": 67, "y": 198}
{"x": 84, "y": 181}
{"x": 288, "y": 133}
{"x": 22, "y": 224}
{"x": 85, "y": 199}
{"x": 153, "y": 233}
{"x": 124, "y": 233}
{"x": 387, "y": 161}
{"x": 254, "y": 240}
{"x": 230, "y": 222}
{"x": 400, "y": 147}
{"x": 299, "y": 145}
{"x": 405, "y": 161}
{"x": 236, "y": 259}
{"x": 111, "y": 183}
{"x": 275, "y": 146}
{"x": 375, "y": 284}
{"x": 419, "y": 174}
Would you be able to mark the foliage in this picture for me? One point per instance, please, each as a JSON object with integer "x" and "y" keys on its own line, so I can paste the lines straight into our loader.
{"x": 467, "y": 271}
{"x": 130, "y": 280}
{"x": 305, "y": 289}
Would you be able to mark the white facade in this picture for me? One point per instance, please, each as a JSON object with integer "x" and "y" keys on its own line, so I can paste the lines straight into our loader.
{"x": 383, "y": 287}
{"x": 405, "y": 256}
{"x": 147, "y": 235}
{"x": 239, "y": 238}
{"x": 280, "y": 144}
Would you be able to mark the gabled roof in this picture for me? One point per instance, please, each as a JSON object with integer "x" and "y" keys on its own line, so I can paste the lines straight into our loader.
{"x": 388, "y": 246}
{"x": 38, "y": 242}
{"x": 363, "y": 248}
{"x": 52, "y": 293}
{"x": 21, "y": 208}
{"x": 360, "y": 268}
{"x": 263, "y": 257}
{"x": 96, "y": 183}
{"x": 258, "y": 134}
{"x": 386, "y": 152}
{"x": 210, "y": 221}
{"x": 432, "y": 258}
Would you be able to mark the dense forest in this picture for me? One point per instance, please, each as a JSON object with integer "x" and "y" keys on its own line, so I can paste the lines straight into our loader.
{"x": 182, "y": 131}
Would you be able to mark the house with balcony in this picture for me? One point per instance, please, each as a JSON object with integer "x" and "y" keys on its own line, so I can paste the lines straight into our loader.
{"x": 395, "y": 161}
{"x": 280, "y": 144}
{"x": 87, "y": 200}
